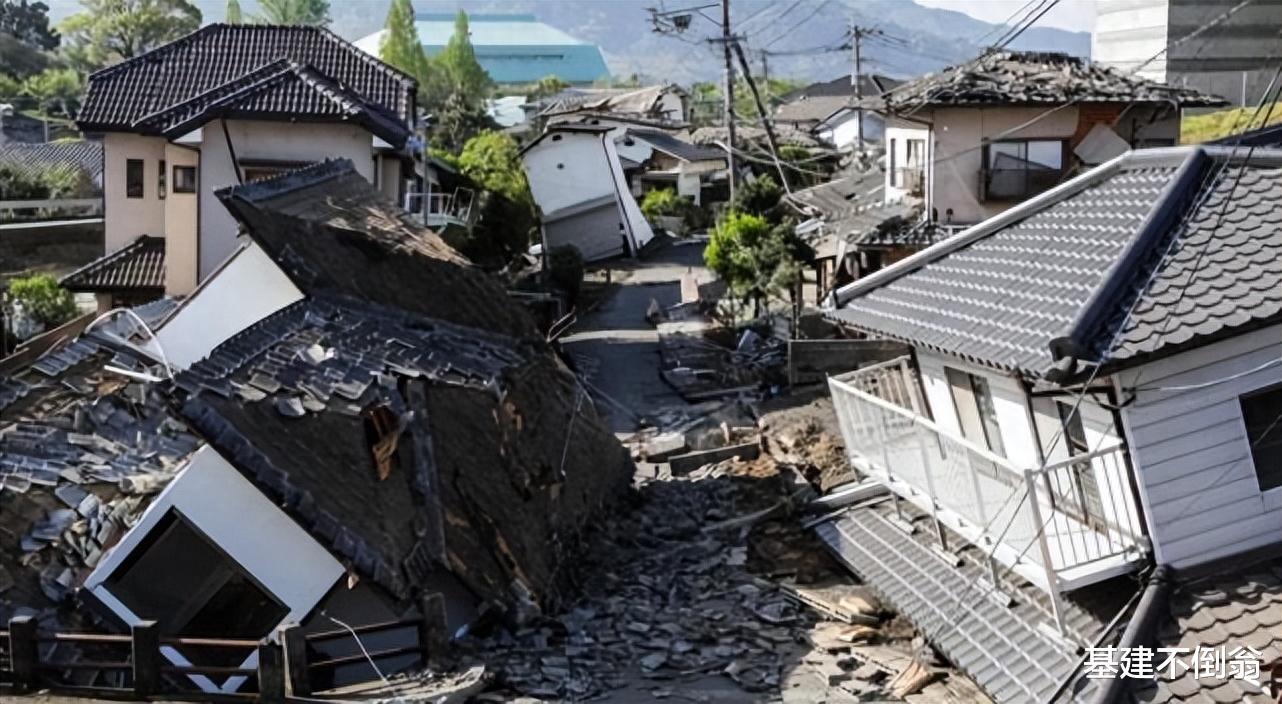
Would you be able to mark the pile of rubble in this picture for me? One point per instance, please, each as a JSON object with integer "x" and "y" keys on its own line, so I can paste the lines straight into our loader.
{"x": 701, "y": 359}
{"x": 705, "y": 588}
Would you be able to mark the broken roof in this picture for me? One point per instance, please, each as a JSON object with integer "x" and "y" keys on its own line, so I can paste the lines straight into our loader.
{"x": 1033, "y": 78}
{"x": 399, "y": 343}
{"x": 1047, "y": 284}
{"x": 83, "y": 449}
{"x": 852, "y": 210}
{"x": 640, "y": 102}
{"x": 813, "y": 110}
{"x": 332, "y": 232}
{"x": 677, "y": 148}
{"x": 220, "y": 55}
{"x": 138, "y": 266}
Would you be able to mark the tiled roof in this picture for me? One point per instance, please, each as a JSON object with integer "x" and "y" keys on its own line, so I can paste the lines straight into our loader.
{"x": 629, "y": 101}
{"x": 1032, "y": 78}
{"x": 332, "y": 232}
{"x": 786, "y": 134}
{"x": 813, "y": 109}
{"x": 872, "y": 84}
{"x": 80, "y": 153}
{"x": 218, "y": 54}
{"x": 1010, "y": 648}
{"x": 677, "y": 148}
{"x": 1235, "y": 608}
{"x": 282, "y": 87}
{"x": 138, "y": 266}
{"x": 1048, "y": 282}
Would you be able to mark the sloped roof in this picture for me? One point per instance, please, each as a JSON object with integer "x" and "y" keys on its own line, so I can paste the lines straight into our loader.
{"x": 677, "y": 148}
{"x": 138, "y": 266}
{"x": 1047, "y": 284}
{"x": 630, "y": 101}
{"x": 1239, "y": 606}
{"x": 871, "y": 84}
{"x": 1033, "y": 78}
{"x": 813, "y": 109}
{"x": 332, "y": 232}
{"x": 281, "y": 88}
{"x": 82, "y": 154}
{"x": 218, "y": 55}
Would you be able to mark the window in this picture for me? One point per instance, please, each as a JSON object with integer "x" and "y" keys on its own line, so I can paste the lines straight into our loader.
{"x": 1262, "y": 415}
{"x": 916, "y": 153}
{"x": 1081, "y": 497}
{"x": 133, "y": 178}
{"x": 184, "y": 179}
{"x": 1018, "y": 169}
{"x": 160, "y": 180}
{"x": 976, "y": 413}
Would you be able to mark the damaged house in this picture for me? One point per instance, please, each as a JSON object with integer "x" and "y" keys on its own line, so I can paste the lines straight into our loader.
{"x": 977, "y": 138}
{"x": 395, "y": 440}
{"x": 1097, "y": 387}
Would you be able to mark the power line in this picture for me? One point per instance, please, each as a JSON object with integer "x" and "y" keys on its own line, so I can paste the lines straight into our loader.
{"x": 804, "y": 20}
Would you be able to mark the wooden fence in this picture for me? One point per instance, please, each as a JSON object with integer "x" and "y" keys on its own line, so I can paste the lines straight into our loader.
{"x": 284, "y": 670}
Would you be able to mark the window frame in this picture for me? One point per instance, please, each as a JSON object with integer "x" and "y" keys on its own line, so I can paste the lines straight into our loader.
{"x": 161, "y": 186}
{"x": 135, "y": 183}
{"x": 1273, "y": 428}
{"x": 988, "y": 426}
{"x": 893, "y": 161}
{"x": 184, "y": 168}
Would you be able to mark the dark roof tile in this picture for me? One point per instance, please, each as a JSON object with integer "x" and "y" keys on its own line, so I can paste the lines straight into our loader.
{"x": 138, "y": 266}
{"x": 82, "y": 154}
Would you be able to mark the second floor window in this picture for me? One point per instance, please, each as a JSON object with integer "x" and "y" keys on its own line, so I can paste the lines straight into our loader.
{"x": 1015, "y": 170}
{"x": 1262, "y": 415}
{"x": 160, "y": 180}
{"x": 133, "y": 178}
{"x": 976, "y": 412}
{"x": 184, "y": 179}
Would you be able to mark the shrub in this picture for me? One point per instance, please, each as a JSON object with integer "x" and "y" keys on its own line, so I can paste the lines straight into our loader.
{"x": 753, "y": 256}
{"x": 757, "y": 197}
{"x": 663, "y": 202}
{"x": 565, "y": 270}
{"x": 43, "y": 300}
{"x": 63, "y": 181}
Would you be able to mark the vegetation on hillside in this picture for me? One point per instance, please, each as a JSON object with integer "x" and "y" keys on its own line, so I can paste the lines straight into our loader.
{"x": 1195, "y": 129}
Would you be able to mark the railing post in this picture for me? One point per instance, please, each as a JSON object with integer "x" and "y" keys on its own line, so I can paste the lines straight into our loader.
{"x": 146, "y": 656}
{"x": 24, "y": 651}
{"x": 293, "y": 640}
{"x": 1052, "y": 577}
{"x": 271, "y": 673}
{"x": 433, "y": 634}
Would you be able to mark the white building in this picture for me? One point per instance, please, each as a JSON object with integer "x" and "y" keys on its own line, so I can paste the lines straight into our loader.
{"x": 1098, "y": 375}
{"x": 228, "y": 104}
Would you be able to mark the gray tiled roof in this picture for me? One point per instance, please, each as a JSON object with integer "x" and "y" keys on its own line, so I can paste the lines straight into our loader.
{"x": 285, "y": 88}
{"x": 82, "y": 154}
{"x": 1032, "y": 78}
{"x": 813, "y": 109}
{"x": 1066, "y": 266}
{"x": 1233, "y": 608}
{"x": 678, "y": 148}
{"x": 1011, "y": 649}
{"x": 117, "y": 96}
{"x": 138, "y": 266}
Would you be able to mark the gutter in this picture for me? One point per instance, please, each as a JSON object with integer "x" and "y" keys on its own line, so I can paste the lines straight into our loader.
{"x": 1074, "y": 342}
{"x": 1139, "y": 631}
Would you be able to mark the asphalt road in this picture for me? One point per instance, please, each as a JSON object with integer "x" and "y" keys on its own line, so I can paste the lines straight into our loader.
{"x": 615, "y": 346}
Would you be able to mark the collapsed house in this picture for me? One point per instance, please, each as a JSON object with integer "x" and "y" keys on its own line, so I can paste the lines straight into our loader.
{"x": 577, "y": 180}
{"x": 390, "y": 431}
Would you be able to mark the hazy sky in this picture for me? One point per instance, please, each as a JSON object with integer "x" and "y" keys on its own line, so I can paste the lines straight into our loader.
{"x": 1076, "y": 15}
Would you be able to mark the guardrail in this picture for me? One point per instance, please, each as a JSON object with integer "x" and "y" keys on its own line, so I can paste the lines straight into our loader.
{"x": 49, "y": 208}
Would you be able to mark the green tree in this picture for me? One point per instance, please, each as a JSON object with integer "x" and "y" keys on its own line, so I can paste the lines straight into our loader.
{"x": 547, "y": 87}
{"x": 28, "y": 22}
{"x": 400, "y": 46}
{"x": 312, "y": 12}
{"x": 457, "y": 62}
{"x": 43, "y": 300}
{"x": 57, "y": 90}
{"x": 756, "y": 259}
{"x": 492, "y": 161}
{"x": 9, "y": 88}
{"x": 233, "y": 14}
{"x": 760, "y": 196}
{"x": 107, "y": 31}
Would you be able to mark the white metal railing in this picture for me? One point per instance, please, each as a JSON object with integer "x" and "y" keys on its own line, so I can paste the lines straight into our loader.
{"x": 442, "y": 206}
{"x": 49, "y": 208}
{"x": 1057, "y": 521}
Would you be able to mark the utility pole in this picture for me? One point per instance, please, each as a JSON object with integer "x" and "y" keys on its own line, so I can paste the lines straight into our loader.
{"x": 857, "y": 35}
{"x": 728, "y": 94}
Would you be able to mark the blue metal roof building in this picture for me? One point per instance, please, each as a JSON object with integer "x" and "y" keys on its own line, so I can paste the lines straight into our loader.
{"x": 511, "y": 48}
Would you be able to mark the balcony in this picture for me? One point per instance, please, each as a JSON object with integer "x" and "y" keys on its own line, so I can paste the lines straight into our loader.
{"x": 442, "y": 208}
{"x": 1016, "y": 184}
{"x": 911, "y": 179}
{"x": 1061, "y": 526}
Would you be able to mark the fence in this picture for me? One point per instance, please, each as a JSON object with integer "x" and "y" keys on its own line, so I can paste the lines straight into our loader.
{"x": 285, "y": 665}
{"x": 50, "y": 209}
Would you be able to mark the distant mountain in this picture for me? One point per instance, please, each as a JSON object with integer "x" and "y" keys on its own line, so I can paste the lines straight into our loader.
{"x": 917, "y": 40}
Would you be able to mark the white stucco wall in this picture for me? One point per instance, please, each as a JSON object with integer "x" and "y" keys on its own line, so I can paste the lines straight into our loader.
{"x": 842, "y": 130}
{"x": 246, "y": 289}
{"x": 566, "y": 171}
{"x": 127, "y": 218}
{"x": 958, "y": 134}
{"x": 247, "y": 527}
{"x": 181, "y": 213}
{"x": 900, "y": 131}
{"x": 257, "y": 139}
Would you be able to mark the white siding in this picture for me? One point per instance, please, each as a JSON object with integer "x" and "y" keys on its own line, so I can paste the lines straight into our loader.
{"x": 126, "y": 218}
{"x": 1009, "y": 401}
{"x": 1191, "y": 451}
